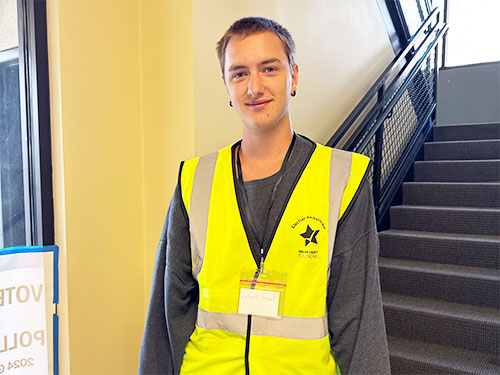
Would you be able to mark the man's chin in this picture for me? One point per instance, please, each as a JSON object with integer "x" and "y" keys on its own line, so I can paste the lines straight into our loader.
{"x": 260, "y": 127}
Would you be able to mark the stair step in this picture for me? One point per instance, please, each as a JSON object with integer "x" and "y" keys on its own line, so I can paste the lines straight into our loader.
{"x": 458, "y": 249}
{"x": 457, "y": 171}
{"x": 445, "y": 282}
{"x": 462, "y": 150}
{"x": 443, "y": 323}
{"x": 470, "y": 194}
{"x": 410, "y": 357}
{"x": 446, "y": 219}
{"x": 466, "y": 132}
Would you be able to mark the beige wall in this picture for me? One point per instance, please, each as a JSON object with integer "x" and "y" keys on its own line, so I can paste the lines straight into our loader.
{"x": 342, "y": 48}
{"x": 168, "y": 111}
{"x": 118, "y": 95}
{"x": 95, "y": 93}
{"x": 135, "y": 88}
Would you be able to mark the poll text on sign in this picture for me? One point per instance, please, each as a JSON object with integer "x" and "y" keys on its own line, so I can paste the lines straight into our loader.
{"x": 23, "y": 320}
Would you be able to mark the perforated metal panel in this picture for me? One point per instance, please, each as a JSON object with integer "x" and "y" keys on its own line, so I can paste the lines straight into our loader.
{"x": 368, "y": 150}
{"x": 409, "y": 111}
{"x": 400, "y": 125}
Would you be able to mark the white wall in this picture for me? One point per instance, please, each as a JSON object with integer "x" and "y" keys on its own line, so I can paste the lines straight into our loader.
{"x": 469, "y": 94}
{"x": 8, "y": 24}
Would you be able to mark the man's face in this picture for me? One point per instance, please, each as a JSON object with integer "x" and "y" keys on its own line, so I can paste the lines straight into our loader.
{"x": 258, "y": 80}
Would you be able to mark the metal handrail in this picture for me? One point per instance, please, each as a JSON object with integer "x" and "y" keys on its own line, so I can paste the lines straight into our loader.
{"x": 387, "y": 90}
{"x": 378, "y": 86}
{"x": 403, "y": 78}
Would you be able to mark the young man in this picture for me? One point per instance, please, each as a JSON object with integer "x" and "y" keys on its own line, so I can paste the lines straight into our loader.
{"x": 268, "y": 259}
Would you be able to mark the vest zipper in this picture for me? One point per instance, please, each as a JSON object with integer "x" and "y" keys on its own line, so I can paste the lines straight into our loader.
{"x": 247, "y": 345}
{"x": 249, "y": 320}
{"x": 261, "y": 267}
{"x": 262, "y": 255}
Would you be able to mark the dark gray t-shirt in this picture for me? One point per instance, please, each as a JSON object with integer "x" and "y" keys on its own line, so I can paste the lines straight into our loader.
{"x": 259, "y": 201}
{"x": 259, "y": 192}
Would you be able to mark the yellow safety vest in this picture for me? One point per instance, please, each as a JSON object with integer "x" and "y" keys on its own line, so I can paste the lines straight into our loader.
{"x": 298, "y": 342}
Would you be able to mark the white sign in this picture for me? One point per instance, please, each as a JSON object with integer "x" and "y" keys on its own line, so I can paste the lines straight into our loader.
{"x": 23, "y": 327}
{"x": 259, "y": 302}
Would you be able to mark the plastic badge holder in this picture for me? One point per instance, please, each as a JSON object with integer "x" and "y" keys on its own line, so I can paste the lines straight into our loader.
{"x": 262, "y": 293}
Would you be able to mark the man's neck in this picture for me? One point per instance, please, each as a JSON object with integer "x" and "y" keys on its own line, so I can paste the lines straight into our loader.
{"x": 262, "y": 154}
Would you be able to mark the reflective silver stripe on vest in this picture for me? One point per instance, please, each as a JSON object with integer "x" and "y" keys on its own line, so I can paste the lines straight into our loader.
{"x": 340, "y": 168}
{"x": 198, "y": 208}
{"x": 286, "y": 326}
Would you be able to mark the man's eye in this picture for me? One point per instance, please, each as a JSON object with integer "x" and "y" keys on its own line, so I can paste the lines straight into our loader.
{"x": 270, "y": 69}
{"x": 238, "y": 75}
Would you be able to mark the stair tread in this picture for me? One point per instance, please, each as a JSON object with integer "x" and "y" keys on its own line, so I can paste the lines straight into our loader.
{"x": 468, "y": 161}
{"x": 461, "y": 142}
{"x": 467, "y": 125}
{"x": 452, "y": 194}
{"x": 440, "y": 355}
{"x": 436, "y": 307}
{"x": 440, "y": 268}
{"x": 464, "y": 170}
{"x": 446, "y": 208}
{"x": 441, "y": 235}
{"x": 465, "y": 184}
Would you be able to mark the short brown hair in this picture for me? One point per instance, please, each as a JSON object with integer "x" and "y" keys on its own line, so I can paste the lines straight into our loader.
{"x": 251, "y": 25}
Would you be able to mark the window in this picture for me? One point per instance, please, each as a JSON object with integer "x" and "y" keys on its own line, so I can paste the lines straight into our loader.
{"x": 403, "y": 18}
{"x": 473, "y": 27}
{"x": 26, "y": 213}
{"x": 12, "y": 214}
{"x": 414, "y": 14}
{"x": 474, "y": 31}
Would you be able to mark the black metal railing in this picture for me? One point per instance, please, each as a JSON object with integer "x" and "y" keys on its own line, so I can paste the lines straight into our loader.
{"x": 392, "y": 120}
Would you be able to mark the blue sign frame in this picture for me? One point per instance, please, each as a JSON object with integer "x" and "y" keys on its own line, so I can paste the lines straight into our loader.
{"x": 55, "y": 299}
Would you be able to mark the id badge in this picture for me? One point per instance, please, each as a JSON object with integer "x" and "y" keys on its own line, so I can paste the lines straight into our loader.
{"x": 262, "y": 293}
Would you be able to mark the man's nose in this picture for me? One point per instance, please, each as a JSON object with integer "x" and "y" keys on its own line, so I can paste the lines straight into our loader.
{"x": 254, "y": 85}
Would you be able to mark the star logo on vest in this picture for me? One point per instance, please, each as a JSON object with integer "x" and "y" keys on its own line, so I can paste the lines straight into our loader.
{"x": 309, "y": 228}
{"x": 310, "y": 235}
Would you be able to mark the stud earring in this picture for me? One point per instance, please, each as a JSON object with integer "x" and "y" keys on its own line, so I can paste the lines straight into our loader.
{"x": 230, "y": 103}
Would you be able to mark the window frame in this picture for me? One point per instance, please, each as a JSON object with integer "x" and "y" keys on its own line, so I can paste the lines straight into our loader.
{"x": 44, "y": 130}
{"x": 32, "y": 55}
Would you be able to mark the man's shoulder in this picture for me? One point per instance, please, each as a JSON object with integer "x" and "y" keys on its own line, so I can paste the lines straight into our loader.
{"x": 212, "y": 155}
{"x": 204, "y": 167}
{"x": 356, "y": 160}
{"x": 357, "y": 168}
{"x": 189, "y": 166}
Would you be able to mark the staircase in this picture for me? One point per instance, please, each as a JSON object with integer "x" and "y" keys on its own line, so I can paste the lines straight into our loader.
{"x": 440, "y": 259}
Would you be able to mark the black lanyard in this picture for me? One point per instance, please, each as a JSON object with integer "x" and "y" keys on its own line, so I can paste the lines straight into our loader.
{"x": 248, "y": 214}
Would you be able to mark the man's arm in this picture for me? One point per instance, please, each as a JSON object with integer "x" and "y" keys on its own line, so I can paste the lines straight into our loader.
{"x": 174, "y": 297}
{"x": 355, "y": 315}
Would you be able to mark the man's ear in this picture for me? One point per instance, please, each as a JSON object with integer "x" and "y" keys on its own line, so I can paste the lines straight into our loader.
{"x": 295, "y": 77}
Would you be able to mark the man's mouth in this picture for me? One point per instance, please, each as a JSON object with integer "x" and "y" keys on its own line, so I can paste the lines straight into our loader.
{"x": 258, "y": 104}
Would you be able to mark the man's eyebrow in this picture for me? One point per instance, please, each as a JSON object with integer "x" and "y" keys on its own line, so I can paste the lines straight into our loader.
{"x": 236, "y": 67}
{"x": 270, "y": 61}
{"x": 232, "y": 68}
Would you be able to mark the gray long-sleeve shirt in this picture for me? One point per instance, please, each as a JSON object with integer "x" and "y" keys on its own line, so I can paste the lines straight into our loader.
{"x": 355, "y": 317}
